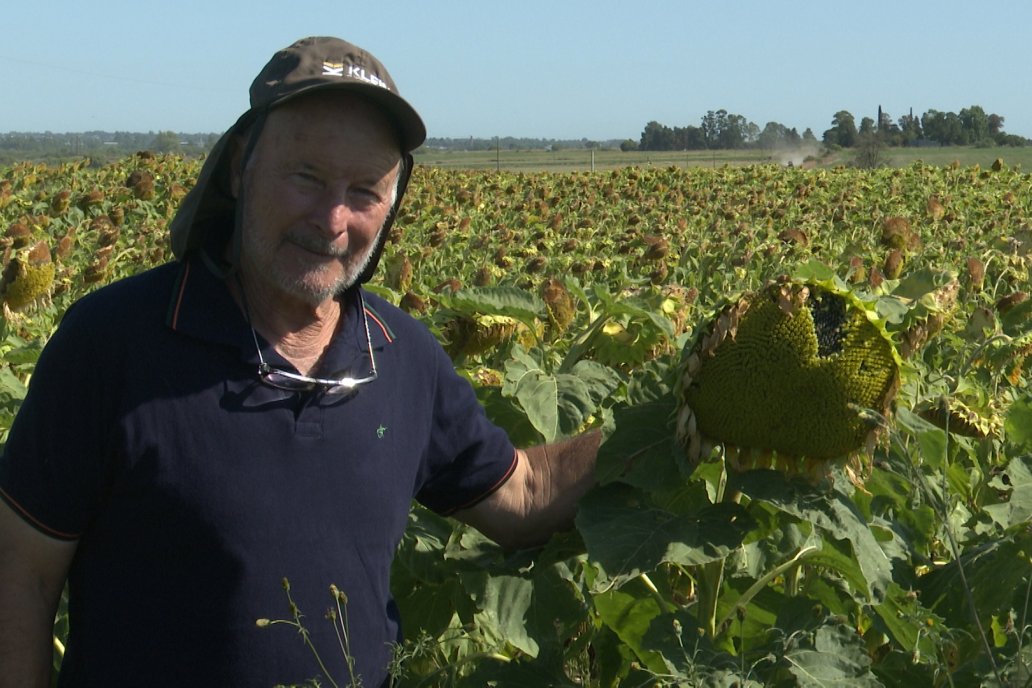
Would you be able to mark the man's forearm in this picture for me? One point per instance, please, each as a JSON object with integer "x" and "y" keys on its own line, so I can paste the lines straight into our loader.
{"x": 541, "y": 495}
{"x": 33, "y": 568}
{"x": 26, "y": 636}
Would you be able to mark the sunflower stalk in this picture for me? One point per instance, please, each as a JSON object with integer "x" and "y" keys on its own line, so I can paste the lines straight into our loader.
{"x": 712, "y": 576}
{"x": 792, "y": 565}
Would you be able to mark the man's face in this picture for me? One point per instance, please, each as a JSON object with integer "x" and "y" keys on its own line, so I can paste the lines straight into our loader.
{"x": 316, "y": 192}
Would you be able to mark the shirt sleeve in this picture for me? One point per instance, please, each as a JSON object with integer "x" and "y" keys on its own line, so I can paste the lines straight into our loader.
{"x": 52, "y": 467}
{"x": 470, "y": 457}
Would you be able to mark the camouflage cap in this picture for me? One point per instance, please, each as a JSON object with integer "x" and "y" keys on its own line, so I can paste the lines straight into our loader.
{"x": 308, "y": 65}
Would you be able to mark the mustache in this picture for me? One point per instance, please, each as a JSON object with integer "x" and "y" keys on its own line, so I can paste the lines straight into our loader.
{"x": 317, "y": 245}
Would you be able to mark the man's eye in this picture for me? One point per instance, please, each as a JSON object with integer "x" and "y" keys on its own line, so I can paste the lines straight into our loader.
{"x": 366, "y": 194}
{"x": 308, "y": 178}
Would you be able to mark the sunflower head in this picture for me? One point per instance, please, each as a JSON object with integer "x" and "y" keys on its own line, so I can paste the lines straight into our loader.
{"x": 28, "y": 278}
{"x": 787, "y": 377}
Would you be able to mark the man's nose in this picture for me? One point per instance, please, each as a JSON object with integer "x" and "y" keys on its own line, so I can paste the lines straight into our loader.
{"x": 333, "y": 215}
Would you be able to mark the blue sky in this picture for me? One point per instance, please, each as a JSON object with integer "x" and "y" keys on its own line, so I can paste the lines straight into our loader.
{"x": 574, "y": 69}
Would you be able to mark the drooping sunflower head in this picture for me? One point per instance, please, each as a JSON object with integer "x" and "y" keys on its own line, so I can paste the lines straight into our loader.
{"x": 474, "y": 334}
{"x": 28, "y": 278}
{"x": 786, "y": 376}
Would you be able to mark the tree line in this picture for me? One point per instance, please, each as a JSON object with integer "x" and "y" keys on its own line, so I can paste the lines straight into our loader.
{"x": 99, "y": 146}
{"x": 723, "y": 130}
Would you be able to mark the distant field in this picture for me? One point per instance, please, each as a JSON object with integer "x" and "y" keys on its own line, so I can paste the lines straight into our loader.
{"x": 571, "y": 160}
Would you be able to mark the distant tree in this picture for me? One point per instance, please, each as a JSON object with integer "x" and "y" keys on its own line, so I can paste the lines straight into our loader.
{"x": 885, "y": 123}
{"x": 628, "y": 145}
{"x": 657, "y": 137}
{"x": 910, "y": 129}
{"x": 1011, "y": 140}
{"x": 733, "y": 133}
{"x": 808, "y": 136}
{"x": 843, "y": 130}
{"x": 953, "y": 130}
{"x": 689, "y": 138}
{"x": 933, "y": 123}
{"x": 870, "y": 149}
{"x": 975, "y": 123}
{"x": 165, "y": 142}
{"x": 995, "y": 124}
{"x": 776, "y": 135}
{"x": 724, "y": 130}
{"x": 752, "y": 132}
{"x": 711, "y": 128}
{"x": 866, "y": 126}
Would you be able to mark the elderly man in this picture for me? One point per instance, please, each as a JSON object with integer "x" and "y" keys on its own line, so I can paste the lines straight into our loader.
{"x": 197, "y": 433}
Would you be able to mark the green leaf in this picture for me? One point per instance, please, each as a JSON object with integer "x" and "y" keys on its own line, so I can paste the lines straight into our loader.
{"x": 507, "y": 413}
{"x": 690, "y": 657}
{"x": 11, "y": 387}
{"x": 535, "y": 673}
{"x": 931, "y": 439}
{"x": 430, "y": 607}
{"x": 837, "y": 556}
{"x": 814, "y": 270}
{"x": 1018, "y": 425}
{"x": 996, "y": 575}
{"x": 503, "y": 602}
{"x": 558, "y": 405}
{"x": 908, "y": 624}
{"x": 634, "y": 308}
{"x": 891, "y": 309}
{"x": 627, "y": 535}
{"x": 1016, "y": 480}
{"x": 832, "y": 512}
{"x": 629, "y": 616}
{"x": 538, "y": 394}
{"x": 642, "y": 451}
{"x": 918, "y": 283}
{"x": 511, "y": 301}
{"x": 837, "y": 658}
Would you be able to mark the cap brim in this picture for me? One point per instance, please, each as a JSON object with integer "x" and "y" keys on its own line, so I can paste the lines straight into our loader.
{"x": 410, "y": 127}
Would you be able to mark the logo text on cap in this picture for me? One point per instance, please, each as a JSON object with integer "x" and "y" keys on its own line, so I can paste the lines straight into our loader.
{"x": 357, "y": 72}
{"x": 332, "y": 68}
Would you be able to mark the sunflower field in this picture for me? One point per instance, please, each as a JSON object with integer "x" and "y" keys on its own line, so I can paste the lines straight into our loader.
{"x": 655, "y": 303}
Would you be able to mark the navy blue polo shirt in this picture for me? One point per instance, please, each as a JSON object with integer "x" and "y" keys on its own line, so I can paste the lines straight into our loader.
{"x": 194, "y": 490}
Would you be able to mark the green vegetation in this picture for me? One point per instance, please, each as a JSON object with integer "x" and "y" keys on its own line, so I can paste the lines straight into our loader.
{"x": 574, "y": 160}
{"x": 678, "y": 572}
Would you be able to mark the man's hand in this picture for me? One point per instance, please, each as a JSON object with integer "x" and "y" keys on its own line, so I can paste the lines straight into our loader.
{"x": 541, "y": 496}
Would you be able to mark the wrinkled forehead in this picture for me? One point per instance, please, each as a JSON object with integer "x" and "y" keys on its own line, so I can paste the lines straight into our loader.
{"x": 335, "y": 112}
{"x": 331, "y": 127}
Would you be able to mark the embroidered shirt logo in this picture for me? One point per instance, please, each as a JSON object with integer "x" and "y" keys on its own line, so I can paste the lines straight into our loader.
{"x": 381, "y": 431}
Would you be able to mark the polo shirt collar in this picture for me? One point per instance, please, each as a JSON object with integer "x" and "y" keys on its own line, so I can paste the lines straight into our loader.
{"x": 201, "y": 304}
